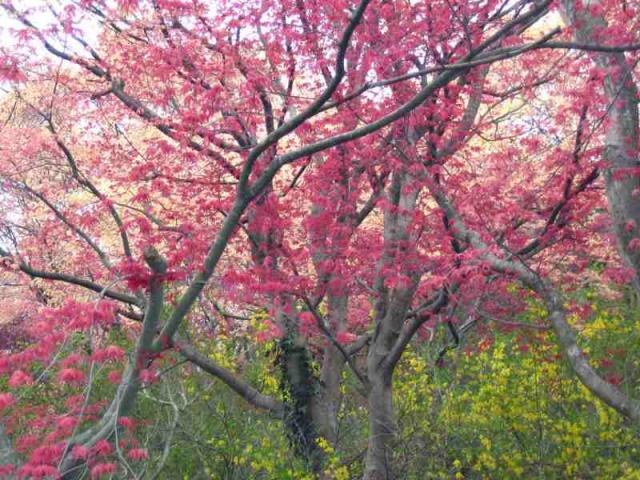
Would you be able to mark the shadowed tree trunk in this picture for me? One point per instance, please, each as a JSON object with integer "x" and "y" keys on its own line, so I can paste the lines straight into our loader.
{"x": 299, "y": 387}
{"x": 298, "y": 383}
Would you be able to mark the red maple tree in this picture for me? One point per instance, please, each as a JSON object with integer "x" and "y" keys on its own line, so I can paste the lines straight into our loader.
{"x": 362, "y": 171}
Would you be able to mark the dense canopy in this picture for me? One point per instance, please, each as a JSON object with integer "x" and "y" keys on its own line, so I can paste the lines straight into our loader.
{"x": 303, "y": 203}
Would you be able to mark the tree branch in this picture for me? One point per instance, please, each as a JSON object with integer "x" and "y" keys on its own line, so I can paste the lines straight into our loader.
{"x": 73, "y": 280}
{"x": 326, "y": 332}
{"x": 246, "y": 391}
{"x": 605, "y": 391}
{"x": 130, "y": 384}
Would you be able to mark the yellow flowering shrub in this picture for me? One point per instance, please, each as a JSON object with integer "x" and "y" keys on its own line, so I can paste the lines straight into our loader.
{"x": 514, "y": 410}
{"x": 503, "y": 405}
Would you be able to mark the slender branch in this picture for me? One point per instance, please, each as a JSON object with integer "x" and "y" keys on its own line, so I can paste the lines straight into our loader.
{"x": 197, "y": 285}
{"x": 246, "y": 391}
{"x": 360, "y": 342}
{"x": 536, "y": 244}
{"x": 592, "y": 47}
{"x": 64, "y": 219}
{"x": 73, "y": 280}
{"x": 605, "y": 391}
{"x": 440, "y": 300}
{"x": 80, "y": 178}
{"x": 311, "y": 110}
{"x": 326, "y": 332}
{"x": 126, "y": 246}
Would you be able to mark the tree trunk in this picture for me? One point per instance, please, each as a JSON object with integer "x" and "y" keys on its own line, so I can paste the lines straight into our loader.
{"x": 299, "y": 387}
{"x": 621, "y": 143}
{"x": 382, "y": 429}
{"x": 391, "y": 309}
{"x": 7, "y": 455}
{"x": 327, "y": 401}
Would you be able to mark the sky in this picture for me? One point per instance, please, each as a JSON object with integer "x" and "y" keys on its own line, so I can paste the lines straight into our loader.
{"x": 41, "y": 17}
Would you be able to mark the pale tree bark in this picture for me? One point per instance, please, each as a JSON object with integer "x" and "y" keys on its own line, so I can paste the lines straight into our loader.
{"x": 326, "y": 403}
{"x": 621, "y": 142}
{"x": 605, "y": 391}
{"x": 382, "y": 428}
{"x": 7, "y": 454}
{"x": 390, "y": 314}
{"x": 392, "y": 331}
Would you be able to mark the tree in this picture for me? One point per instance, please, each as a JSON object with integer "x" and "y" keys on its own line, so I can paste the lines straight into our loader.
{"x": 318, "y": 162}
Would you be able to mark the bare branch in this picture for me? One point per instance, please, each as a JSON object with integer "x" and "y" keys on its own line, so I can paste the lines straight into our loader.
{"x": 325, "y": 330}
{"x": 73, "y": 280}
{"x": 246, "y": 391}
